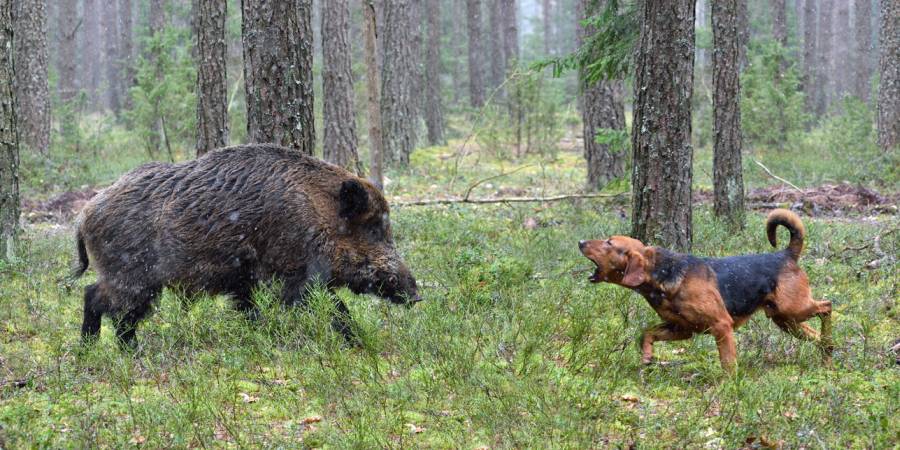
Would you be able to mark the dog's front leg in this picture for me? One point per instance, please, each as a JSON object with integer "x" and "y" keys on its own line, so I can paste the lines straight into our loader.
{"x": 660, "y": 332}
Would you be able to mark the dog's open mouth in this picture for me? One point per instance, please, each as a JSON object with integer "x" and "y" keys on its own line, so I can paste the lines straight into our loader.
{"x": 597, "y": 276}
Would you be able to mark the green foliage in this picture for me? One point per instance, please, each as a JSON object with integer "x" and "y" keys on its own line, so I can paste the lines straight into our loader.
{"x": 618, "y": 140}
{"x": 608, "y": 53}
{"x": 539, "y": 127}
{"x": 772, "y": 105}
{"x": 164, "y": 99}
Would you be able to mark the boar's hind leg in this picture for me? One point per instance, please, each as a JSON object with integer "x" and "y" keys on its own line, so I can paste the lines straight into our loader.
{"x": 93, "y": 312}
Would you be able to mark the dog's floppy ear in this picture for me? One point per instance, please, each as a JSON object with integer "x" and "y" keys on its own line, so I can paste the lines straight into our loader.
{"x": 636, "y": 272}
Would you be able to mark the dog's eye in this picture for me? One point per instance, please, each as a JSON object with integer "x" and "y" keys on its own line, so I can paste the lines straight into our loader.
{"x": 621, "y": 251}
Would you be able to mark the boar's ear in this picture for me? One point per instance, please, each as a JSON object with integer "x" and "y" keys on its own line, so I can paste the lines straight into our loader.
{"x": 353, "y": 198}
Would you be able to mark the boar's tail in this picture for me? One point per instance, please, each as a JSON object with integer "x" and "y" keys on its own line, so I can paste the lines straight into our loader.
{"x": 791, "y": 221}
{"x": 82, "y": 263}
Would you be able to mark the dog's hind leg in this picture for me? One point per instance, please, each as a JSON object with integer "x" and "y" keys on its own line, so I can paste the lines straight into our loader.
{"x": 660, "y": 332}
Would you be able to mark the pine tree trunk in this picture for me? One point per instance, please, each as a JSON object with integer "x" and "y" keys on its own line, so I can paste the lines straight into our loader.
{"x": 9, "y": 139}
{"x": 547, "y": 25}
{"x": 862, "y": 65}
{"x": 843, "y": 38}
{"x": 602, "y": 110}
{"x": 398, "y": 112}
{"x": 212, "y": 88}
{"x": 340, "y": 144}
{"x": 779, "y": 22}
{"x": 727, "y": 177}
{"x": 511, "y": 53}
{"x": 126, "y": 52}
{"x": 373, "y": 94}
{"x": 810, "y": 55}
{"x": 90, "y": 51}
{"x": 825, "y": 78}
{"x": 889, "y": 69}
{"x": 476, "y": 68}
{"x": 111, "y": 54}
{"x": 498, "y": 58}
{"x": 66, "y": 60}
{"x": 661, "y": 131}
{"x": 743, "y": 22}
{"x": 158, "y": 21}
{"x": 32, "y": 85}
{"x": 434, "y": 115}
{"x": 277, "y": 38}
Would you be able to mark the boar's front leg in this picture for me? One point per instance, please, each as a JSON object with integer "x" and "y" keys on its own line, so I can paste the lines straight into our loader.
{"x": 295, "y": 292}
{"x": 126, "y": 322}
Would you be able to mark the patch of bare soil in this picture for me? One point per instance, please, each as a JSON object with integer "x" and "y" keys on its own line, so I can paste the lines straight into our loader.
{"x": 58, "y": 209}
{"x": 832, "y": 200}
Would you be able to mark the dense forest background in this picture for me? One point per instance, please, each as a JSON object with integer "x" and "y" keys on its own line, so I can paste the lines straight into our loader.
{"x": 123, "y": 75}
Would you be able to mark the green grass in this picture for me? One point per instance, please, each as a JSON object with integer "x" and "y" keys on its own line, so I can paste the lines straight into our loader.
{"x": 511, "y": 348}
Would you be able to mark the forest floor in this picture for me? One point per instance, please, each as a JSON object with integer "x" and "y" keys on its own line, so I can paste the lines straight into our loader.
{"x": 511, "y": 348}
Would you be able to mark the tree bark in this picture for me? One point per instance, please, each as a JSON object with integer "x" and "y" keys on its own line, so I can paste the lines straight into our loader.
{"x": 743, "y": 32}
{"x": 511, "y": 52}
{"x": 779, "y": 22}
{"x": 277, "y": 38}
{"x": 212, "y": 87}
{"x": 90, "y": 51}
{"x": 825, "y": 78}
{"x": 602, "y": 110}
{"x": 66, "y": 60}
{"x": 547, "y": 25}
{"x": 661, "y": 130}
{"x": 727, "y": 176}
{"x": 9, "y": 138}
{"x": 32, "y": 84}
{"x": 373, "y": 97}
{"x": 126, "y": 52}
{"x": 862, "y": 65}
{"x": 158, "y": 20}
{"x": 340, "y": 143}
{"x": 889, "y": 69}
{"x": 434, "y": 115}
{"x": 476, "y": 68}
{"x": 398, "y": 112}
{"x": 111, "y": 54}
{"x": 810, "y": 55}
{"x": 843, "y": 39}
{"x": 495, "y": 31}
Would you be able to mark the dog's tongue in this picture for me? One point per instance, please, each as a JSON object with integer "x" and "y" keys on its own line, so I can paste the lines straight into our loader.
{"x": 595, "y": 277}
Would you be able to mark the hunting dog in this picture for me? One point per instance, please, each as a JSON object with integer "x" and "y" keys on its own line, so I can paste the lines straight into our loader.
{"x": 715, "y": 295}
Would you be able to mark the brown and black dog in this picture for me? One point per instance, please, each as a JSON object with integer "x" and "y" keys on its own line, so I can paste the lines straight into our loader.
{"x": 715, "y": 295}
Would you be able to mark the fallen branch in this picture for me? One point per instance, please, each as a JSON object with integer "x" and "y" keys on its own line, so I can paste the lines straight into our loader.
{"x": 777, "y": 177}
{"x": 481, "y": 201}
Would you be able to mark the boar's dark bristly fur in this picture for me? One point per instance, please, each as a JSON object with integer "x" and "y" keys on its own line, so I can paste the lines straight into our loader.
{"x": 225, "y": 222}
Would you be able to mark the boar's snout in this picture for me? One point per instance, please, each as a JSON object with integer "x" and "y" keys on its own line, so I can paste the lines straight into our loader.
{"x": 400, "y": 287}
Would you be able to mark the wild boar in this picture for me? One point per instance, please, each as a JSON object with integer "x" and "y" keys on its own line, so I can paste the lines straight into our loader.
{"x": 227, "y": 221}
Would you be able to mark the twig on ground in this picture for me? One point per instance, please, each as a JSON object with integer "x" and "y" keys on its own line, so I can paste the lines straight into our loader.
{"x": 555, "y": 198}
{"x": 777, "y": 177}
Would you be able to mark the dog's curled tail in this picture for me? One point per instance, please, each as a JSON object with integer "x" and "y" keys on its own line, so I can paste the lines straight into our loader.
{"x": 791, "y": 221}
